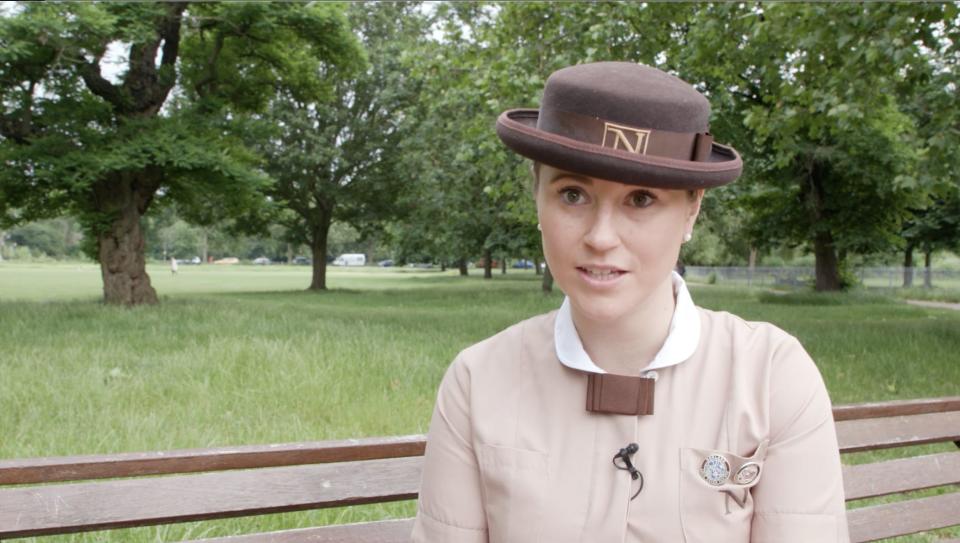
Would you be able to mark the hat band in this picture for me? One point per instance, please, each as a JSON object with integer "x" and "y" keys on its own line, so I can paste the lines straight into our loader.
{"x": 693, "y": 146}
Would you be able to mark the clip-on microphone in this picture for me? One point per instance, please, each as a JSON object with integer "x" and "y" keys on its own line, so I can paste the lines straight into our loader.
{"x": 624, "y": 456}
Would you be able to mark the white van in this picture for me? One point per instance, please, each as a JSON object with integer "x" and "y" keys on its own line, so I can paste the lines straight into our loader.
{"x": 351, "y": 259}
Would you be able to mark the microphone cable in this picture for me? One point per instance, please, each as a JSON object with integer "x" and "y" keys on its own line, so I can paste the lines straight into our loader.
{"x": 624, "y": 456}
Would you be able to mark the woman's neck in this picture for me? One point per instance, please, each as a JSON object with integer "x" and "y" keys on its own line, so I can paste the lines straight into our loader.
{"x": 629, "y": 344}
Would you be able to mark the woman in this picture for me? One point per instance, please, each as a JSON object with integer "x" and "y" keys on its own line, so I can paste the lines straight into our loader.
{"x": 629, "y": 414}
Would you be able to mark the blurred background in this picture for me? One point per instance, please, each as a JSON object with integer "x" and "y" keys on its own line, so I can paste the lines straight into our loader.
{"x": 294, "y": 133}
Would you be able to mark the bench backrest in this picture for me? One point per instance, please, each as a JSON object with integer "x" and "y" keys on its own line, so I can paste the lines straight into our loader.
{"x": 214, "y": 483}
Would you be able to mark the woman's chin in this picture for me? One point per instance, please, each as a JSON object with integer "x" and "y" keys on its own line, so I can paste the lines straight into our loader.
{"x": 602, "y": 311}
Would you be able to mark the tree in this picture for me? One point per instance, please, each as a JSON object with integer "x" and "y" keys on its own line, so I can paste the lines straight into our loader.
{"x": 473, "y": 195}
{"x": 57, "y": 238}
{"x": 936, "y": 226}
{"x": 930, "y": 97}
{"x": 831, "y": 154}
{"x": 74, "y": 140}
{"x": 333, "y": 155}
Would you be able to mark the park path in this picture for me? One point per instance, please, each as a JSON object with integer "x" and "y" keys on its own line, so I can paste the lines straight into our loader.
{"x": 938, "y": 305}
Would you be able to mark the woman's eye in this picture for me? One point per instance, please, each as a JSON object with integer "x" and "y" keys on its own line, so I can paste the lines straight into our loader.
{"x": 571, "y": 196}
{"x": 640, "y": 199}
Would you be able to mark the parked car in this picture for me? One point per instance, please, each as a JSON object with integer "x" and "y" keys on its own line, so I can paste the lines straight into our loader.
{"x": 351, "y": 259}
{"x": 385, "y": 263}
{"x": 523, "y": 264}
{"x": 302, "y": 261}
{"x": 261, "y": 261}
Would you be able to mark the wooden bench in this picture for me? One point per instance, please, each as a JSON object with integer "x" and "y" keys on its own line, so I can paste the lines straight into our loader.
{"x": 67, "y": 494}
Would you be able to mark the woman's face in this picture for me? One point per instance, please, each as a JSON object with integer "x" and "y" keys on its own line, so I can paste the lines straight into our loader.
{"x": 610, "y": 245}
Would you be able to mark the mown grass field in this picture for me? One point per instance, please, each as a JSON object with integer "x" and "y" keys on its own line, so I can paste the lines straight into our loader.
{"x": 242, "y": 355}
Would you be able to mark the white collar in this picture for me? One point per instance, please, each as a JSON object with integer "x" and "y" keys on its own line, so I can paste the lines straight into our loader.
{"x": 681, "y": 342}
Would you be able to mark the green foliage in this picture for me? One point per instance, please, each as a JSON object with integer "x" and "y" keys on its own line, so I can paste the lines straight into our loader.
{"x": 56, "y": 238}
{"x": 821, "y": 101}
{"x": 334, "y": 155}
{"x": 263, "y": 46}
{"x": 73, "y": 141}
{"x": 383, "y": 112}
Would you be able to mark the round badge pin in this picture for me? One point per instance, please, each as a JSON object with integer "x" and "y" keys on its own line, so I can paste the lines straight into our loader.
{"x": 747, "y": 473}
{"x": 715, "y": 470}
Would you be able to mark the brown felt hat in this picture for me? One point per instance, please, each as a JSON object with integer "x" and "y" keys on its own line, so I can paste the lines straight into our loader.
{"x": 623, "y": 122}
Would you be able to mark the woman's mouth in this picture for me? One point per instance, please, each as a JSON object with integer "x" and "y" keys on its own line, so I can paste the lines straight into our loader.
{"x": 600, "y": 275}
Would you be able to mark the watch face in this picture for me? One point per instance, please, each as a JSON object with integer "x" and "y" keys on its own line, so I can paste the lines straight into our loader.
{"x": 747, "y": 473}
{"x": 715, "y": 470}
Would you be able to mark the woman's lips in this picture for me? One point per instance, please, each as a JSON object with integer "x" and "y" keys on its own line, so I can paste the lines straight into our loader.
{"x": 601, "y": 276}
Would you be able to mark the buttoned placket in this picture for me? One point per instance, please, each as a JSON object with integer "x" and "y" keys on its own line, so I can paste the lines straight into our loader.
{"x": 680, "y": 344}
{"x": 630, "y": 487}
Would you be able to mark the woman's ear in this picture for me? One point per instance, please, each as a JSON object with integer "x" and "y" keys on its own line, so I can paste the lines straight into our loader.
{"x": 696, "y": 199}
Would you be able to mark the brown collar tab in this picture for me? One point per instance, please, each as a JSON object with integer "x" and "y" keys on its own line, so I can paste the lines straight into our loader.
{"x": 620, "y": 394}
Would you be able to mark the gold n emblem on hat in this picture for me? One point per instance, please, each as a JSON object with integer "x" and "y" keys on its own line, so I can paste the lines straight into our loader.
{"x": 634, "y": 140}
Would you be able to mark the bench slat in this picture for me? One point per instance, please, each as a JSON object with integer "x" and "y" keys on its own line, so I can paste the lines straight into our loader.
{"x": 901, "y": 475}
{"x": 28, "y": 511}
{"x": 895, "y": 408}
{"x": 903, "y": 518}
{"x": 384, "y": 531}
{"x": 884, "y": 433}
{"x": 78, "y": 468}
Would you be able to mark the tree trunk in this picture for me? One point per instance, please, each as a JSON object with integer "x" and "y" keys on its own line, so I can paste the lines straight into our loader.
{"x": 536, "y": 266}
{"x": 908, "y": 266}
{"x": 318, "y": 248}
{"x": 487, "y": 265}
{"x": 503, "y": 266}
{"x": 371, "y": 247}
{"x": 204, "y": 246}
{"x": 825, "y": 252}
{"x": 289, "y": 254}
{"x": 120, "y": 247}
{"x": 547, "y": 284}
{"x": 463, "y": 267}
{"x": 827, "y": 263}
{"x": 443, "y": 265}
{"x": 753, "y": 259}
{"x": 927, "y": 278}
{"x": 2, "y": 245}
{"x": 67, "y": 236}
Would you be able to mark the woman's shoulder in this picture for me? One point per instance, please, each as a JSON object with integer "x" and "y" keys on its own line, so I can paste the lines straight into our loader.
{"x": 514, "y": 344}
{"x": 764, "y": 350}
{"x": 742, "y": 332}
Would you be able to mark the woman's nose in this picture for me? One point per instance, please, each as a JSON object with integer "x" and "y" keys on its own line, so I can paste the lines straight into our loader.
{"x": 602, "y": 234}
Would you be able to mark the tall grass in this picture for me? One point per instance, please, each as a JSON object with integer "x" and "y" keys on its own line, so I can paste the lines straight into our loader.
{"x": 243, "y": 356}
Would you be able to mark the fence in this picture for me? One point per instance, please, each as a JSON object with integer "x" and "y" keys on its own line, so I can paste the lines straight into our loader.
{"x": 874, "y": 277}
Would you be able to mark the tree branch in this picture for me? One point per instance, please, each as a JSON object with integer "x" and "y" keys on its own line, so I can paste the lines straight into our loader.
{"x": 19, "y": 127}
{"x": 90, "y": 73}
{"x": 170, "y": 32}
{"x": 208, "y": 80}
{"x": 147, "y": 90}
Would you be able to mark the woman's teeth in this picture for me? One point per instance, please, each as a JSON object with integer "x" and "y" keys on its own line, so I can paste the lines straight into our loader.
{"x": 602, "y": 274}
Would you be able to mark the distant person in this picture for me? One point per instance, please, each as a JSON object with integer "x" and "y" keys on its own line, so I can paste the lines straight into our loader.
{"x": 173, "y": 266}
{"x": 550, "y": 430}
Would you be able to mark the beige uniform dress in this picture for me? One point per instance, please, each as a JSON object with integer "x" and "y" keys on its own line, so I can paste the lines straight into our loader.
{"x": 741, "y": 446}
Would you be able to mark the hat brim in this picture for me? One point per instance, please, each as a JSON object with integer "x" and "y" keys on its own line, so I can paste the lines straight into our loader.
{"x": 517, "y": 128}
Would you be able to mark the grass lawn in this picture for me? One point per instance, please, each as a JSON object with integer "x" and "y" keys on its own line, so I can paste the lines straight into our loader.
{"x": 242, "y": 355}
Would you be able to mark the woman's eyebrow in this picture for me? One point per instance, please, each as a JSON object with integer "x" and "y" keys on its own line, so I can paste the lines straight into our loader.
{"x": 577, "y": 177}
